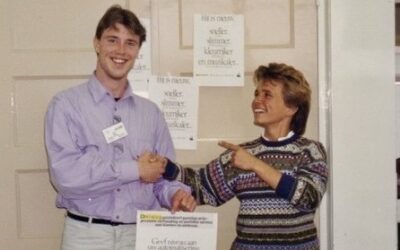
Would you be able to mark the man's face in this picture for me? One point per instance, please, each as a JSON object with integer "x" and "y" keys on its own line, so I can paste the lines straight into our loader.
{"x": 269, "y": 108}
{"x": 117, "y": 50}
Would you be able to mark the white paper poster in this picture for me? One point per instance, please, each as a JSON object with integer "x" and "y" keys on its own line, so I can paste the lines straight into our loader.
{"x": 178, "y": 99}
{"x": 139, "y": 75}
{"x": 218, "y": 50}
{"x": 158, "y": 230}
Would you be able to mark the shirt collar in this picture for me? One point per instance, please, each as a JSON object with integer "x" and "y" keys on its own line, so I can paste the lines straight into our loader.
{"x": 290, "y": 134}
{"x": 98, "y": 91}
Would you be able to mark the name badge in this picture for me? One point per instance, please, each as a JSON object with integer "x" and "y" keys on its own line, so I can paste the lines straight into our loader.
{"x": 115, "y": 132}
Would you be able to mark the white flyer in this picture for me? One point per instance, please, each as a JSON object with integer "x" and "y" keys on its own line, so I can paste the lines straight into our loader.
{"x": 161, "y": 230}
{"x": 178, "y": 99}
{"x": 141, "y": 71}
{"x": 218, "y": 48}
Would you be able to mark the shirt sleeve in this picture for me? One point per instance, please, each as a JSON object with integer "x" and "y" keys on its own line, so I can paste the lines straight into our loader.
{"x": 164, "y": 189}
{"x": 78, "y": 170}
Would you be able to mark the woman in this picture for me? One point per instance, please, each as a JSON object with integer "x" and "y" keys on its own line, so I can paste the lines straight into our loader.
{"x": 279, "y": 178}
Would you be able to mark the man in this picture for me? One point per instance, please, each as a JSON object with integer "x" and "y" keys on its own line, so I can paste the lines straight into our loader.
{"x": 279, "y": 178}
{"x": 94, "y": 133}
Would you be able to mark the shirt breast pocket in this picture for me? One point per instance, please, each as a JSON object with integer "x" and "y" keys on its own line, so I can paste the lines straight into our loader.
{"x": 138, "y": 146}
{"x": 84, "y": 139}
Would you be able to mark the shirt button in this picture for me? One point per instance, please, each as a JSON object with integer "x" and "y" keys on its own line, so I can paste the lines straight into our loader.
{"x": 118, "y": 189}
{"x": 117, "y": 217}
{"x": 118, "y": 149}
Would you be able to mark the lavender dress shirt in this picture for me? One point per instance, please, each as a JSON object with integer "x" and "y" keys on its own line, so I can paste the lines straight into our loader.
{"x": 95, "y": 178}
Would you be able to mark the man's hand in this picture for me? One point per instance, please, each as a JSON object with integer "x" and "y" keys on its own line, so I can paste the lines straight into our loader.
{"x": 240, "y": 157}
{"x": 182, "y": 201}
{"x": 151, "y": 166}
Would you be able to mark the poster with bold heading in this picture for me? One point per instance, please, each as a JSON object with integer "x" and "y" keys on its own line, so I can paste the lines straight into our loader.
{"x": 178, "y": 99}
{"x": 218, "y": 47}
{"x": 158, "y": 230}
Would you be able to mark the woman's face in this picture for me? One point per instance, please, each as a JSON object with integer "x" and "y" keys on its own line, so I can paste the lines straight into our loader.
{"x": 269, "y": 108}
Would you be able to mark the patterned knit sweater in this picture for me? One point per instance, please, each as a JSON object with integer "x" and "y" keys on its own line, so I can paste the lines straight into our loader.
{"x": 268, "y": 219}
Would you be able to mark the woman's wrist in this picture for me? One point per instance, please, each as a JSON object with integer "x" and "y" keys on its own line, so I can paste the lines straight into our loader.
{"x": 257, "y": 165}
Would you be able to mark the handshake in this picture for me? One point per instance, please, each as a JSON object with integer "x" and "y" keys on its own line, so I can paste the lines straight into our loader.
{"x": 153, "y": 166}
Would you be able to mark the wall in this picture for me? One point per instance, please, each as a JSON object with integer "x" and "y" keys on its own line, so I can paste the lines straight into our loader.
{"x": 360, "y": 73}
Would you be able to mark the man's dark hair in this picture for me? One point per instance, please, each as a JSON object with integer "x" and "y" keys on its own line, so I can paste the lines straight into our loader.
{"x": 116, "y": 14}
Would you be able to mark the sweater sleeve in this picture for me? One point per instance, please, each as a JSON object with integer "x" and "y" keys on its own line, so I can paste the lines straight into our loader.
{"x": 307, "y": 186}
{"x": 209, "y": 184}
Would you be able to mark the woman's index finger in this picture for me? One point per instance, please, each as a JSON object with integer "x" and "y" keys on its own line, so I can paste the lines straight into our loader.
{"x": 228, "y": 145}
